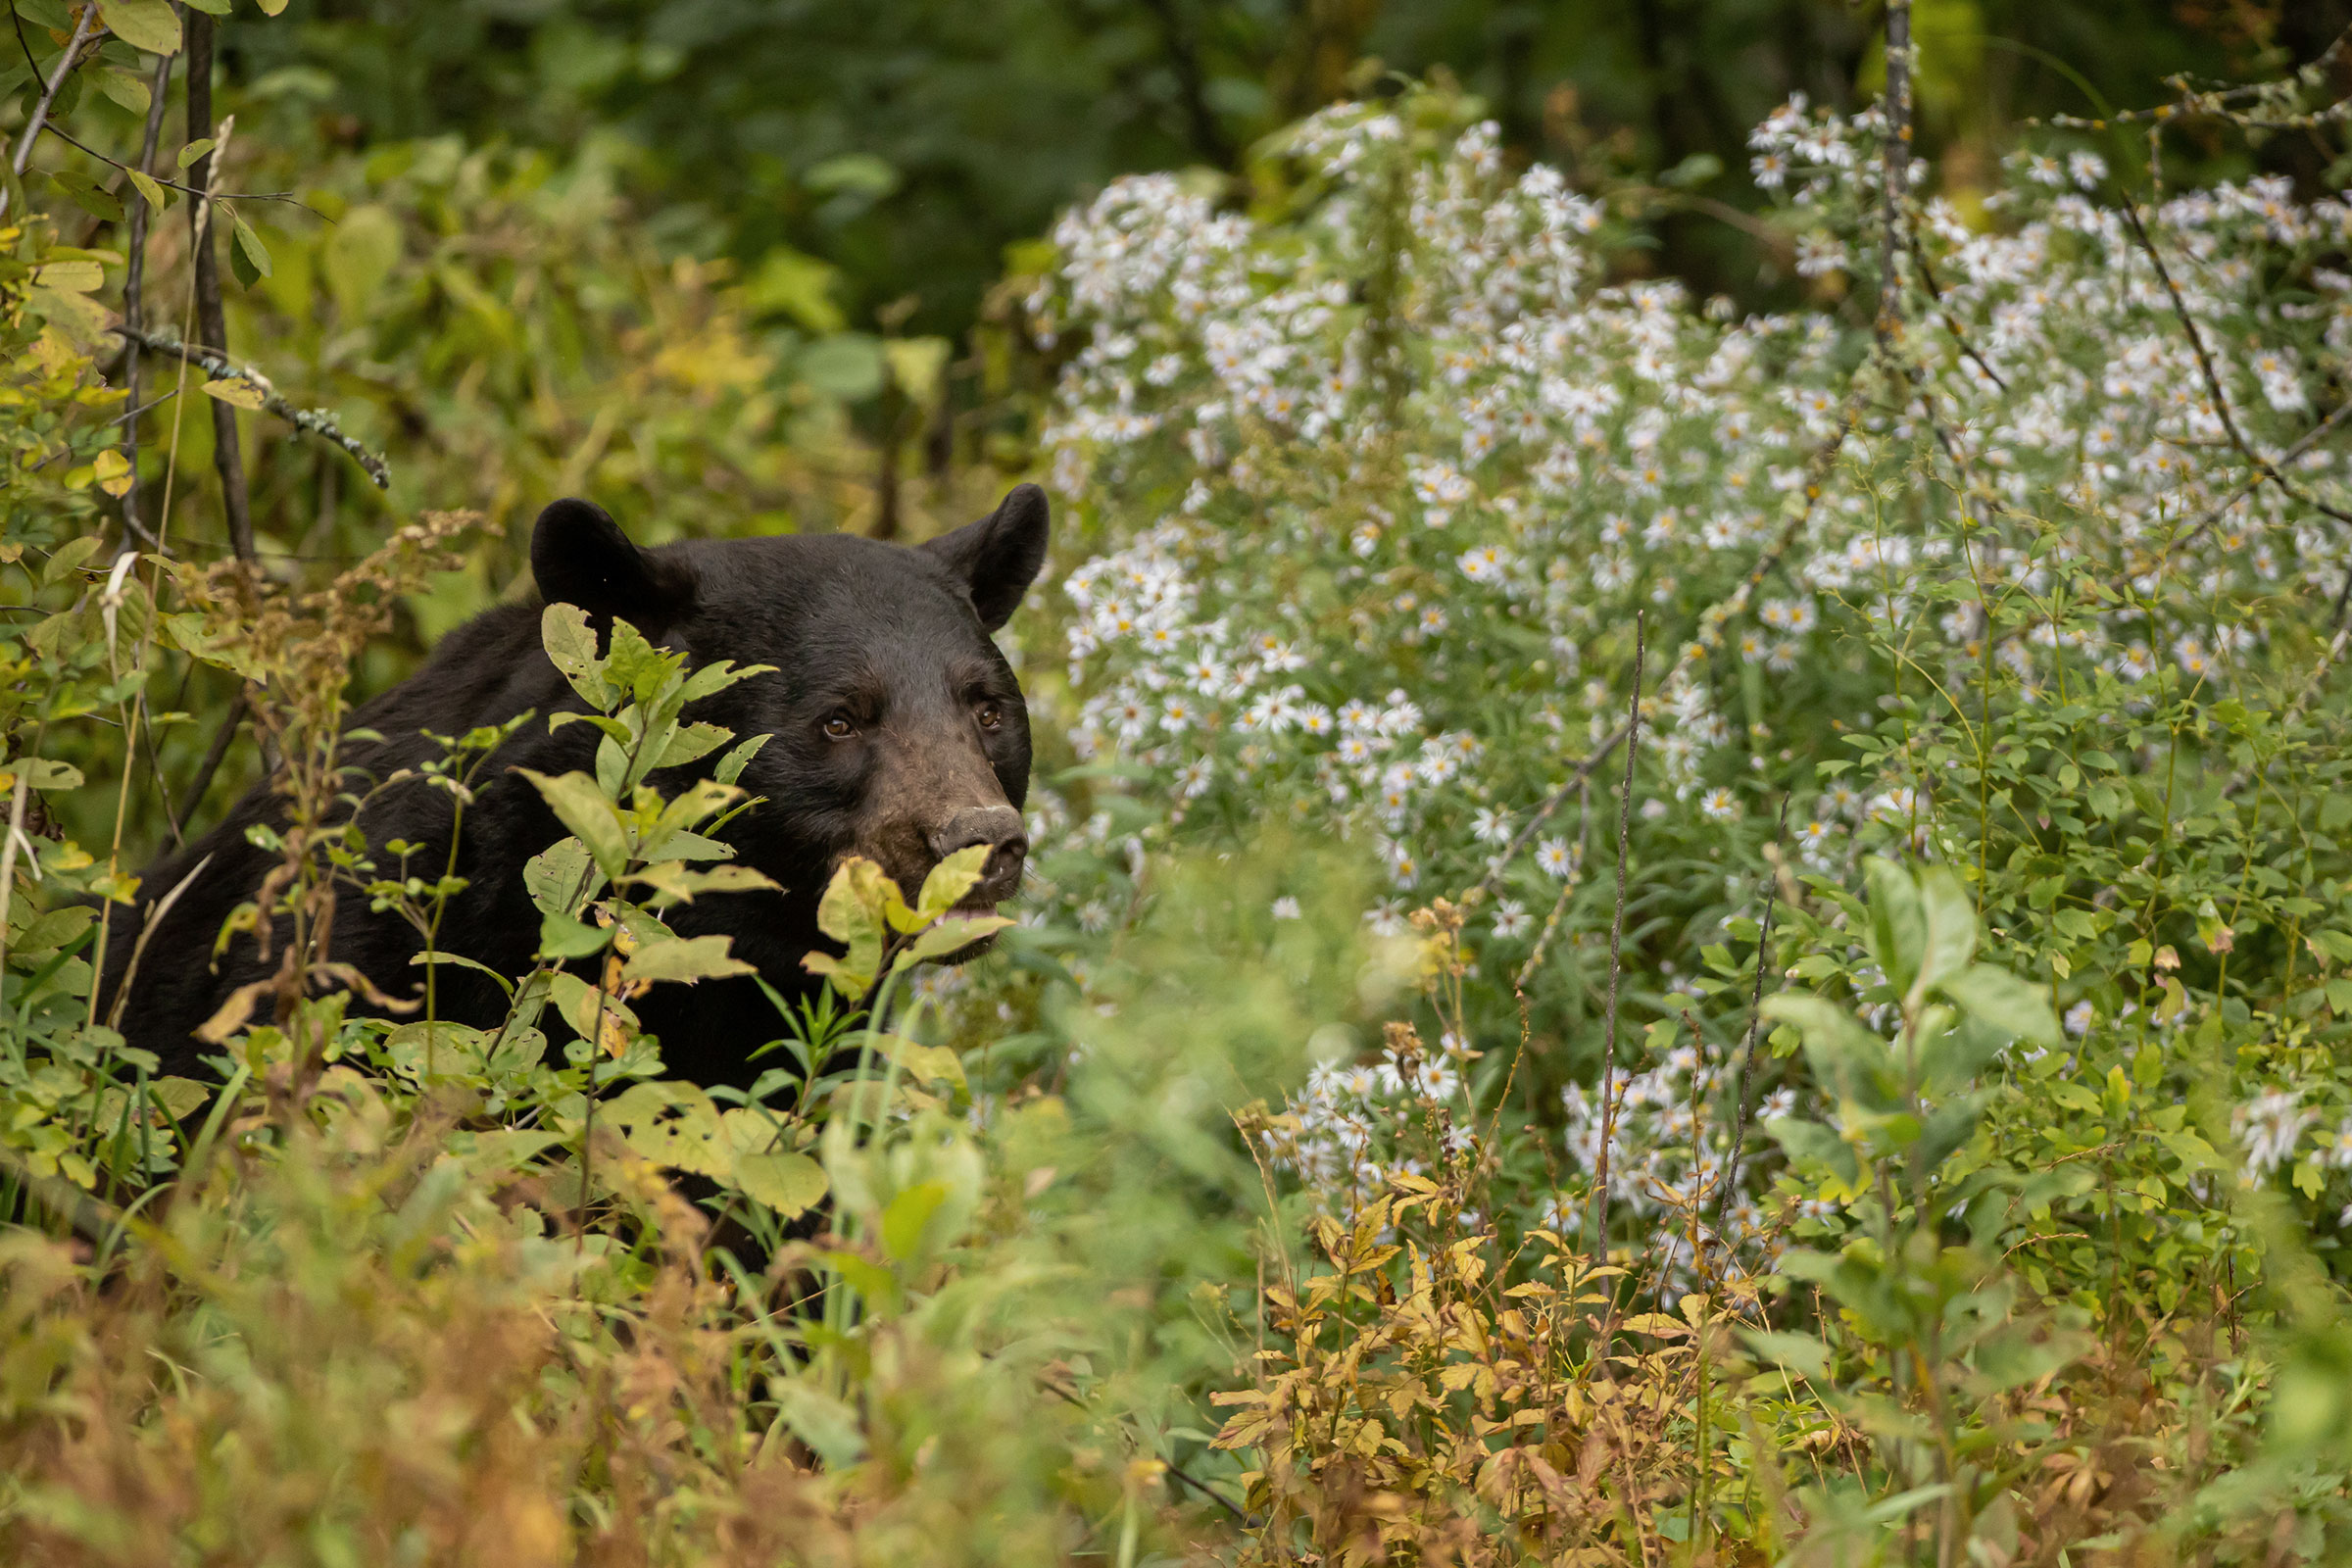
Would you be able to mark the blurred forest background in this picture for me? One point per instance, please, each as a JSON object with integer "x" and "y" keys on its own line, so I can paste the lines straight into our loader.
{"x": 906, "y": 145}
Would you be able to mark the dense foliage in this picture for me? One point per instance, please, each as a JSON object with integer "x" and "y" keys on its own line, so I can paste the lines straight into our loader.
{"x": 1660, "y": 932}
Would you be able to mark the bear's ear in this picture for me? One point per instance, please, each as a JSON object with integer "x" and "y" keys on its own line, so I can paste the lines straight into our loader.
{"x": 580, "y": 557}
{"x": 999, "y": 557}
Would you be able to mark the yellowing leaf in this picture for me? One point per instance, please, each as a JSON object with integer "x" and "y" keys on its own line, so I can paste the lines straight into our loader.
{"x": 686, "y": 959}
{"x": 235, "y": 392}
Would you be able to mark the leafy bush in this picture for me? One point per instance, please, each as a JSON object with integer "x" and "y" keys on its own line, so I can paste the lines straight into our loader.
{"x": 1832, "y": 821}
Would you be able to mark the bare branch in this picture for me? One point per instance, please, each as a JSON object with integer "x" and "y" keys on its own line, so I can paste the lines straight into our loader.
{"x": 66, "y": 62}
{"x": 1608, "y": 1068}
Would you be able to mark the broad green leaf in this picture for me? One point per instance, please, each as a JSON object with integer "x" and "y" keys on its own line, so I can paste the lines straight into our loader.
{"x": 830, "y": 1428}
{"x": 730, "y": 766}
{"x": 202, "y": 144}
{"x": 685, "y": 960}
{"x": 582, "y": 1004}
{"x": 717, "y": 676}
{"x": 952, "y": 935}
{"x": 1898, "y": 924}
{"x": 149, "y": 25}
{"x": 907, "y": 1215}
{"x": 1810, "y": 1140}
{"x": 1846, "y": 1058}
{"x": 855, "y": 911}
{"x": 359, "y": 257}
{"x": 2004, "y": 1001}
{"x": 673, "y": 1125}
{"x": 788, "y": 1183}
{"x": 562, "y": 937}
{"x": 582, "y": 807}
{"x": 693, "y": 743}
{"x": 149, "y": 189}
{"x": 675, "y": 882}
{"x": 1800, "y": 1352}
{"x": 1951, "y": 925}
{"x": 560, "y": 875}
{"x": 571, "y": 648}
{"x": 129, "y": 90}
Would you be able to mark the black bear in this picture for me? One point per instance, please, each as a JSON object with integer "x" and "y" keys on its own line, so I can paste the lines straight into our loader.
{"x": 899, "y": 733}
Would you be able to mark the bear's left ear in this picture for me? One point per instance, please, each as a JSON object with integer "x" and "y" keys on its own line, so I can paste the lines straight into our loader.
{"x": 580, "y": 557}
{"x": 999, "y": 557}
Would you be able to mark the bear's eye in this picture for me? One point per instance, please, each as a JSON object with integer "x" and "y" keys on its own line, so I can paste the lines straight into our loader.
{"x": 990, "y": 716}
{"x": 839, "y": 728}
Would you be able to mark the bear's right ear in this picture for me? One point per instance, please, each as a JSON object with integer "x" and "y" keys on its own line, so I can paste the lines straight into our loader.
{"x": 580, "y": 557}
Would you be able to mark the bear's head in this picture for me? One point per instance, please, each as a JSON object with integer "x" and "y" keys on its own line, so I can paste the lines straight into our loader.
{"x": 898, "y": 730}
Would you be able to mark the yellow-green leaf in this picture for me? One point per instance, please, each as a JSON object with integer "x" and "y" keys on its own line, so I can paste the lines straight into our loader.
{"x": 235, "y": 392}
{"x": 149, "y": 25}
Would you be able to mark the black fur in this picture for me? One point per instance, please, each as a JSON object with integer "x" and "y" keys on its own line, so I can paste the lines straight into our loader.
{"x": 895, "y": 641}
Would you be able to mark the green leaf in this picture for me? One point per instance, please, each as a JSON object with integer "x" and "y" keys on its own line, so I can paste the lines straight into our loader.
{"x": 907, "y": 1216}
{"x": 582, "y": 807}
{"x": 788, "y": 1183}
{"x": 150, "y": 191}
{"x": 359, "y": 257}
{"x": 149, "y": 25}
{"x": 126, "y": 89}
{"x": 829, "y": 1427}
{"x": 694, "y": 743}
{"x": 1898, "y": 924}
{"x": 1811, "y": 1139}
{"x": 674, "y": 882}
{"x": 1951, "y": 925}
{"x": 952, "y": 935}
{"x": 730, "y": 766}
{"x": 88, "y": 195}
{"x": 460, "y": 961}
{"x": 673, "y": 1125}
{"x": 250, "y": 246}
{"x": 1847, "y": 1058}
{"x": 717, "y": 676}
{"x": 202, "y": 144}
{"x": 571, "y": 648}
{"x": 1800, "y": 1352}
{"x": 563, "y": 937}
{"x": 951, "y": 879}
{"x": 686, "y": 959}
{"x": 581, "y": 1005}
{"x": 2003, "y": 1000}
{"x": 559, "y": 875}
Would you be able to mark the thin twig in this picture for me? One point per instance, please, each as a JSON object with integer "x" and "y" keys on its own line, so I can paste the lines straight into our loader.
{"x": 1895, "y": 166}
{"x": 1711, "y": 623}
{"x": 317, "y": 422}
{"x": 213, "y": 755}
{"x": 1755, "y": 1020}
{"x": 1608, "y": 1068}
{"x": 2262, "y": 467}
{"x": 212, "y": 328}
{"x": 66, "y": 62}
{"x": 159, "y": 98}
{"x": 285, "y": 196}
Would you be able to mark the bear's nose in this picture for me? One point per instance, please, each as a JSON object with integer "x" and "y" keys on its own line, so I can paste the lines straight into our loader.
{"x": 998, "y": 826}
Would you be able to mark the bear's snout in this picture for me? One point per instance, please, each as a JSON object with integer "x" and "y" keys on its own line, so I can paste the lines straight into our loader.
{"x": 1001, "y": 828}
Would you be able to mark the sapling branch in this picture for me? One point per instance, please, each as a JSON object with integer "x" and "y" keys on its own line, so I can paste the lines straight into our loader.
{"x": 67, "y": 60}
{"x": 1609, "y": 1069}
{"x": 315, "y": 421}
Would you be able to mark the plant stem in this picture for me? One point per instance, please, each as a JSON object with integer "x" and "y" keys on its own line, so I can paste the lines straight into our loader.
{"x": 1609, "y": 1069}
